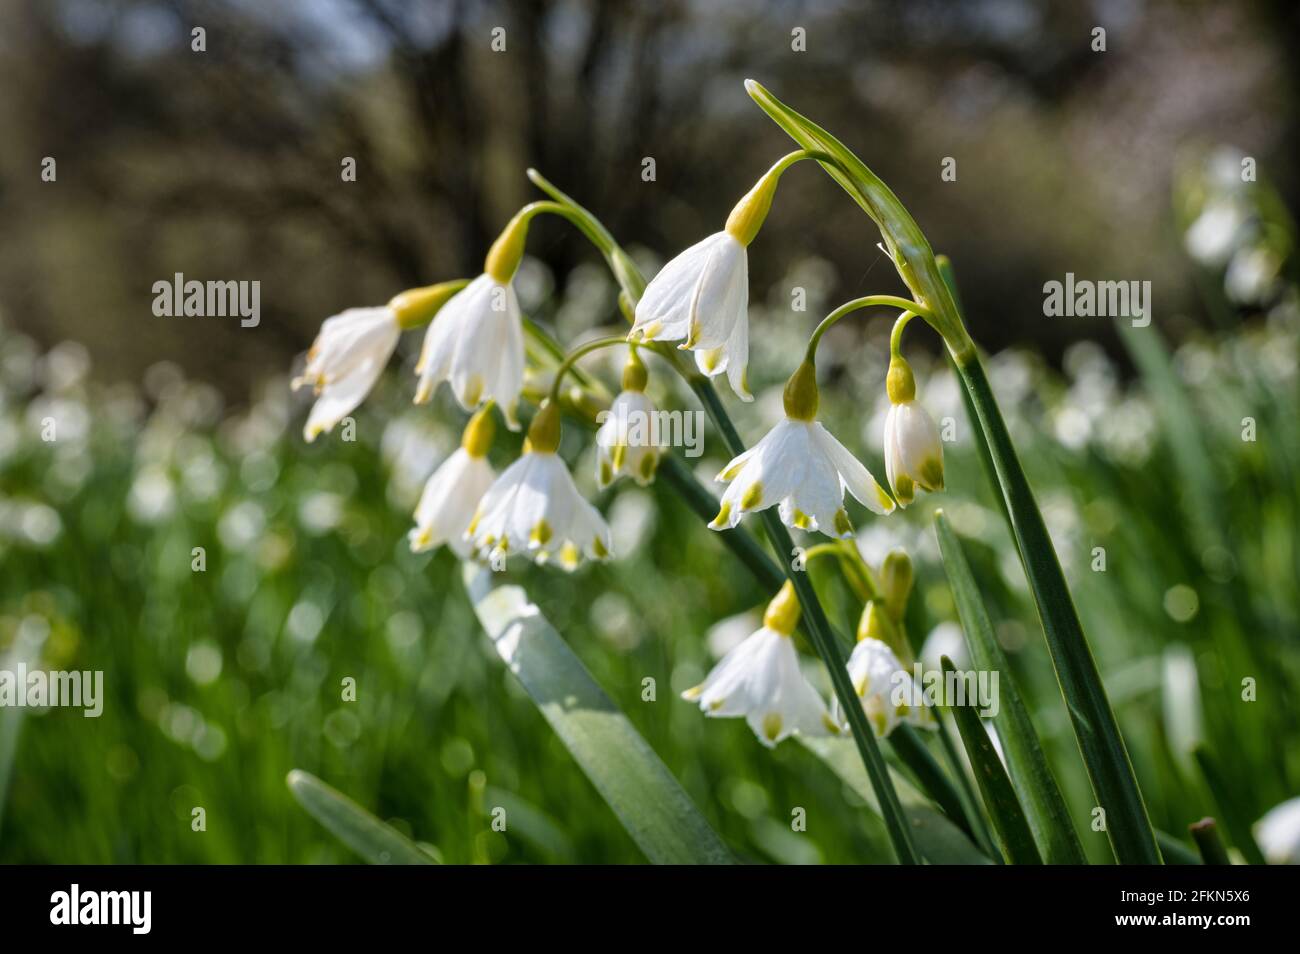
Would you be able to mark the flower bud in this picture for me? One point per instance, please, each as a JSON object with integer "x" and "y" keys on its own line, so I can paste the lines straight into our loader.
{"x": 896, "y": 582}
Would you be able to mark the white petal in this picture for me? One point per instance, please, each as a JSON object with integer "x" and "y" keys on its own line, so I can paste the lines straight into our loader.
{"x": 855, "y": 475}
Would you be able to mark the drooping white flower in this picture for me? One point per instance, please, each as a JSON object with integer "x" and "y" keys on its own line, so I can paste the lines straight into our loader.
{"x": 760, "y": 680}
{"x": 534, "y": 507}
{"x": 345, "y": 361}
{"x": 701, "y": 298}
{"x": 451, "y": 496}
{"x": 888, "y": 692}
{"x": 913, "y": 450}
{"x": 1278, "y": 833}
{"x": 802, "y": 467}
{"x": 477, "y": 345}
{"x": 350, "y": 351}
{"x": 627, "y": 442}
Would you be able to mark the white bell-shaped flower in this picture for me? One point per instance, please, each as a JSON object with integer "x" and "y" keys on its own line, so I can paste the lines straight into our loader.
{"x": 913, "y": 450}
{"x": 802, "y": 467}
{"x": 1278, "y": 833}
{"x": 451, "y": 496}
{"x": 350, "y": 351}
{"x": 628, "y": 442}
{"x": 477, "y": 345}
{"x": 534, "y": 507}
{"x": 344, "y": 363}
{"x": 760, "y": 680}
{"x": 701, "y": 297}
{"x": 888, "y": 692}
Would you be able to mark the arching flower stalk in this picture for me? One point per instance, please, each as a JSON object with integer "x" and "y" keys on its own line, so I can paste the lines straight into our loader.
{"x": 353, "y": 347}
{"x": 760, "y": 680}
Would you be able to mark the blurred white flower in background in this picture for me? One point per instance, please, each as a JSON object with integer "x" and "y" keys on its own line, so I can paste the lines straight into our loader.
{"x": 1278, "y": 833}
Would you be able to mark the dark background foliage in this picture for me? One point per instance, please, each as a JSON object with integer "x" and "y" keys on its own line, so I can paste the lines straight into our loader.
{"x": 226, "y": 163}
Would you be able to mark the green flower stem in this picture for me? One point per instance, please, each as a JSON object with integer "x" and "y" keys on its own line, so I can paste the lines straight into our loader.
{"x": 738, "y": 540}
{"x": 1095, "y": 728}
{"x": 585, "y": 348}
{"x": 1206, "y": 835}
{"x": 1175, "y": 850}
{"x": 870, "y": 301}
{"x": 831, "y": 652}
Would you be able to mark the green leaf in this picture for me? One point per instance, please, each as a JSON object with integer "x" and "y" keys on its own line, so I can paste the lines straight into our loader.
{"x": 991, "y": 776}
{"x": 912, "y": 752}
{"x": 1091, "y": 717}
{"x": 377, "y": 842}
{"x": 648, "y": 801}
{"x": 25, "y": 652}
{"x": 1032, "y": 778}
{"x": 939, "y": 841}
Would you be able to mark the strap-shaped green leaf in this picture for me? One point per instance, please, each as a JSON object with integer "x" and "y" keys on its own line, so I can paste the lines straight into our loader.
{"x": 648, "y": 801}
{"x": 991, "y": 776}
{"x": 377, "y": 842}
{"x": 1044, "y": 807}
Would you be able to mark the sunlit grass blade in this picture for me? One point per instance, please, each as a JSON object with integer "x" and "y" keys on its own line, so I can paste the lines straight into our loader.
{"x": 25, "y": 652}
{"x": 938, "y": 840}
{"x": 991, "y": 776}
{"x": 1044, "y": 806}
{"x": 1231, "y": 812}
{"x": 635, "y": 783}
{"x": 377, "y": 842}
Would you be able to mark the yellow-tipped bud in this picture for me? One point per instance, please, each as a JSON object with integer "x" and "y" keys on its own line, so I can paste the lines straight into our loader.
{"x": 876, "y": 623}
{"x": 899, "y": 383}
{"x": 635, "y": 375}
{"x": 478, "y": 433}
{"x": 896, "y": 582}
{"x": 748, "y": 215}
{"x": 544, "y": 431}
{"x": 801, "y": 396}
{"x": 507, "y": 251}
{"x": 782, "y": 614}
{"x": 416, "y": 307}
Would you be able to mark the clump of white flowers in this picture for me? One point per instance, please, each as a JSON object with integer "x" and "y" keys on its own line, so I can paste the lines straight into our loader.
{"x": 476, "y": 344}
